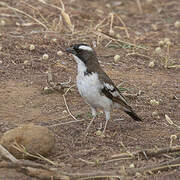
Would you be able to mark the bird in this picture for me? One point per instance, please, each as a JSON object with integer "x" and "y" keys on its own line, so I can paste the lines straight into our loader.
{"x": 95, "y": 86}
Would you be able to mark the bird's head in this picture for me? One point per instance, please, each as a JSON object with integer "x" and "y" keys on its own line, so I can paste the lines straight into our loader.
{"x": 83, "y": 52}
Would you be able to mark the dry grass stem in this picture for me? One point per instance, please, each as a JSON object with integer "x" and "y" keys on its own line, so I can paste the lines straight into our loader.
{"x": 7, "y": 15}
{"x": 174, "y": 66}
{"x": 23, "y": 150}
{"x": 117, "y": 40}
{"x": 68, "y": 20}
{"x": 168, "y": 119}
{"x": 101, "y": 22}
{"x": 108, "y": 43}
{"x": 63, "y": 13}
{"x": 42, "y": 17}
{"x": 87, "y": 162}
{"x": 50, "y": 5}
{"x": 111, "y": 24}
{"x": 139, "y": 6}
{"x": 124, "y": 26}
{"x": 22, "y": 12}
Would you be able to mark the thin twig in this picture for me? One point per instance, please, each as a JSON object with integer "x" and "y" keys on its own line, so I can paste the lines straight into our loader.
{"x": 6, "y": 154}
{"x": 43, "y": 172}
{"x": 66, "y": 102}
{"x": 66, "y": 123}
{"x": 148, "y": 152}
{"x": 137, "y": 54}
{"x": 115, "y": 160}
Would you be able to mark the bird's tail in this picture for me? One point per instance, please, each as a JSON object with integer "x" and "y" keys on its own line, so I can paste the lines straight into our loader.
{"x": 133, "y": 115}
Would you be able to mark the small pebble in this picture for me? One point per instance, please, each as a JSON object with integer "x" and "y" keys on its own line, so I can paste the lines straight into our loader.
{"x": 158, "y": 50}
{"x": 118, "y": 36}
{"x": 2, "y": 22}
{"x": 31, "y": 47}
{"x": 151, "y": 64}
{"x": 132, "y": 165}
{"x": 155, "y": 113}
{"x": 26, "y": 62}
{"x": 138, "y": 174}
{"x": 65, "y": 112}
{"x": 54, "y": 40}
{"x": 45, "y": 56}
{"x": 169, "y": 43}
{"x": 59, "y": 53}
{"x": 98, "y": 133}
{"x": 177, "y": 24}
{"x": 161, "y": 43}
{"x": 167, "y": 40}
{"x": 153, "y": 102}
{"x": 47, "y": 90}
{"x": 154, "y": 27}
{"x": 111, "y": 32}
{"x": 116, "y": 58}
{"x": 149, "y": 1}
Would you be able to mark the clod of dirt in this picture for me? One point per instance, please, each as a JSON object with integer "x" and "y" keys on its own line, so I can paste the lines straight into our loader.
{"x": 28, "y": 138}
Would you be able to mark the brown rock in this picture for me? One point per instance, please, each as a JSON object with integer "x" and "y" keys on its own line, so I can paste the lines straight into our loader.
{"x": 34, "y": 139}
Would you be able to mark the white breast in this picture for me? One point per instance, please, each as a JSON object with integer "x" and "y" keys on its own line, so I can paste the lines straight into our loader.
{"x": 90, "y": 87}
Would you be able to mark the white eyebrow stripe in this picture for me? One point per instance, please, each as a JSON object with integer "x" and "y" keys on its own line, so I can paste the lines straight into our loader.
{"x": 87, "y": 48}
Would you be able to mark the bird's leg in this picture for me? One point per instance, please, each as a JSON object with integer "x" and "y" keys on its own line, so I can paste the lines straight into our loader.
{"x": 93, "y": 110}
{"x": 107, "y": 113}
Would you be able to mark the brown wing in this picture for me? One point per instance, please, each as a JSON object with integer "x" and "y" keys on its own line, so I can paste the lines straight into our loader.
{"x": 111, "y": 91}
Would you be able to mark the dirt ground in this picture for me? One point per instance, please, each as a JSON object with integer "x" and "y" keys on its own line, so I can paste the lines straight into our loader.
{"x": 134, "y": 35}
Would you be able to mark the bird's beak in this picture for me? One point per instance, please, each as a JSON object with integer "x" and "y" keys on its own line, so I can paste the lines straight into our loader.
{"x": 71, "y": 50}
